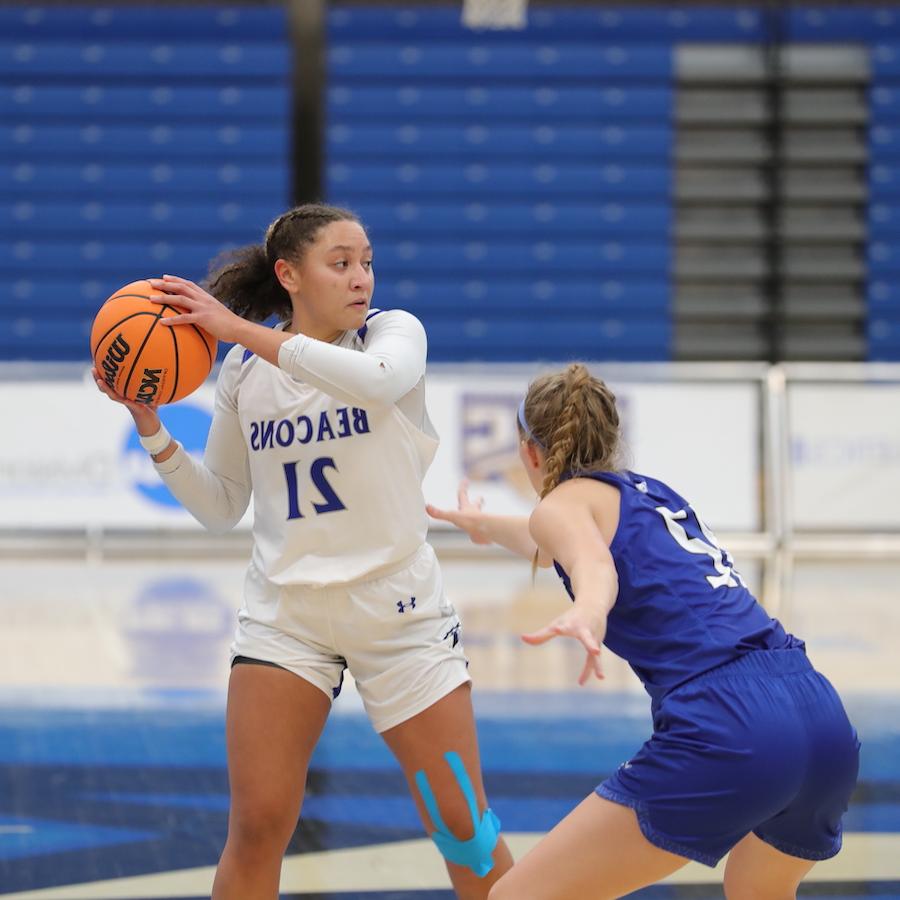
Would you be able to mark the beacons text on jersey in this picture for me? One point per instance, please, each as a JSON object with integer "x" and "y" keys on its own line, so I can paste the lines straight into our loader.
{"x": 340, "y": 423}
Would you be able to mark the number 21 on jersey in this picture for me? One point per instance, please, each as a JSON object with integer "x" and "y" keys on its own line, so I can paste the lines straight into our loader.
{"x": 727, "y": 576}
{"x": 331, "y": 501}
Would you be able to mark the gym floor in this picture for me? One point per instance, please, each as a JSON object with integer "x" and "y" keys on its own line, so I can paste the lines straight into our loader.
{"x": 112, "y": 757}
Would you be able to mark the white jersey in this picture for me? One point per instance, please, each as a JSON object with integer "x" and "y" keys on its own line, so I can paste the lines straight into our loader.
{"x": 333, "y": 442}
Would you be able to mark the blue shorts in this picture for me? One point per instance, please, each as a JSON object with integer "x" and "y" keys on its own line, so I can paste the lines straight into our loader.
{"x": 759, "y": 744}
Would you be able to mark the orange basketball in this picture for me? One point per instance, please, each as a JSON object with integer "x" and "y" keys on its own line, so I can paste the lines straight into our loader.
{"x": 142, "y": 360}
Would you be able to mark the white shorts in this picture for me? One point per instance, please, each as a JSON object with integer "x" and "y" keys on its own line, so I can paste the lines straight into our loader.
{"x": 398, "y": 634}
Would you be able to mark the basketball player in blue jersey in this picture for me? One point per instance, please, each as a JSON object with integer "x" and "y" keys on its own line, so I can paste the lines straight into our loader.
{"x": 751, "y": 750}
{"x": 323, "y": 420}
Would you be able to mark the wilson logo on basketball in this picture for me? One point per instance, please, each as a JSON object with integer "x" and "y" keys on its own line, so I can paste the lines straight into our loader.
{"x": 149, "y": 386}
{"x": 141, "y": 358}
{"x": 115, "y": 356}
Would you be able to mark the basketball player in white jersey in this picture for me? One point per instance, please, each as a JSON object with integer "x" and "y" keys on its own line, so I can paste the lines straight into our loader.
{"x": 323, "y": 420}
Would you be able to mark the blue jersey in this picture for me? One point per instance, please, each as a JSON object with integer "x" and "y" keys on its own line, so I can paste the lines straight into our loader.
{"x": 682, "y": 609}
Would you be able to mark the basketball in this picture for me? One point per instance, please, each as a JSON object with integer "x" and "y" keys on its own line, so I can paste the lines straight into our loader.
{"x": 142, "y": 360}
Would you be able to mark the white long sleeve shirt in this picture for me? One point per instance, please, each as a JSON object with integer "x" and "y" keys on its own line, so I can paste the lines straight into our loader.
{"x": 333, "y": 444}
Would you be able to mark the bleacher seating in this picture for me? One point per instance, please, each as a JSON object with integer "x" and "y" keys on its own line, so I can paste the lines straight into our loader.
{"x": 133, "y": 140}
{"x": 488, "y": 140}
{"x": 515, "y": 178}
{"x": 664, "y": 23}
{"x": 503, "y": 174}
{"x": 882, "y": 297}
{"x": 830, "y": 23}
{"x": 543, "y": 105}
{"x": 876, "y": 27}
{"x": 608, "y": 221}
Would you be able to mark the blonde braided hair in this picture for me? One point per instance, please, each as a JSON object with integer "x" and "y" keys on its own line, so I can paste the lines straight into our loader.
{"x": 573, "y": 417}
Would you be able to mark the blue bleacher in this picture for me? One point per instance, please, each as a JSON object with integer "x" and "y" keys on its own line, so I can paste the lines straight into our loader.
{"x": 81, "y": 258}
{"x": 527, "y": 61}
{"x": 885, "y": 58}
{"x": 841, "y": 23}
{"x": 884, "y": 141}
{"x": 884, "y": 180}
{"x": 219, "y": 144}
{"x": 538, "y": 105}
{"x": 90, "y": 180}
{"x": 586, "y": 337}
{"x": 415, "y": 142}
{"x": 502, "y": 257}
{"x": 133, "y": 141}
{"x": 883, "y": 219}
{"x": 884, "y": 296}
{"x": 22, "y": 336}
{"x": 608, "y": 221}
{"x": 668, "y": 22}
{"x": 162, "y": 102}
{"x": 884, "y": 339}
{"x": 884, "y": 102}
{"x": 523, "y": 297}
{"x": 883, "y": 257}
{"x": 536, "y": 148}
{"x": 217, "y": 22}
{"x": 883, "y": 325}
{"x": 519, "y": 176}
{"x": 43, "y": 219}
{"x": 57, "y": 294}
{"x": 142, "y": 59}
{"x": 348, "y": 182}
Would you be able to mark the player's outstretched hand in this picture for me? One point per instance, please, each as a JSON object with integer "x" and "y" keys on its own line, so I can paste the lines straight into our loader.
{"x": 143, "y": 413}
{"x": 467, "y": 516}
{"x": 199, "y": 307}
{"x": 584, "y": 627}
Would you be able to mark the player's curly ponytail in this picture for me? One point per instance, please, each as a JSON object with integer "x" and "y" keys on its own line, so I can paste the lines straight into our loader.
{"x": 572, "y": 416}
{"x": 244, "y": 279}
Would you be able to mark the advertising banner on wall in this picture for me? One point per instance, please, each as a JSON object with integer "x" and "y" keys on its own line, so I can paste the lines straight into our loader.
{"x": 72, "y": 458}
{"x": 702, "y": 438}
{"x": 845, "y": 455}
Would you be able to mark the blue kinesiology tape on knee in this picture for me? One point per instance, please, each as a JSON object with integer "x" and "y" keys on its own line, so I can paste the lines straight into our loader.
{"x": 475, "y": 853}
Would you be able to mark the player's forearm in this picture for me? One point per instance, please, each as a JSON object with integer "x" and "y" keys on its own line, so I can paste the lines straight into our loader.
{"x": 216, "y": 502}
{"x": 595, "y": 585}
{"x": 510, "y": 532}
{"x": 263, "y": 341}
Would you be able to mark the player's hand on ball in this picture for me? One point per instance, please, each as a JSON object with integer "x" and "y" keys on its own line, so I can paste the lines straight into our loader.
{"x": 583, "y": 625}
{"x": 467, "y": 516}
{"x": 142, "y": 412}
{"x": 196, "y": 306}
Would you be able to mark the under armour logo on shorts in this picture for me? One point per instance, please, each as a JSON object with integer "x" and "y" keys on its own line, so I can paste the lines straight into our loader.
{"x": 454, "y": 631}
{"x": 403, "y": 607}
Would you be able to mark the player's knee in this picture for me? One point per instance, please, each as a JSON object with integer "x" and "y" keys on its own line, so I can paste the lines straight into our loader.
{"x": 261, "y": 828}
{"x": 456, "y": 818}
{"x": 462, "y": 836}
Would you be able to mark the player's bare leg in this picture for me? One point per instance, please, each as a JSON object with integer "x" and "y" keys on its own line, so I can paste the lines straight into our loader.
{"x": 273, "y": 723}
{"x": 757, "y": 871}
{"x": 420, "y": 745}
{"x": 596, "y": 852}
